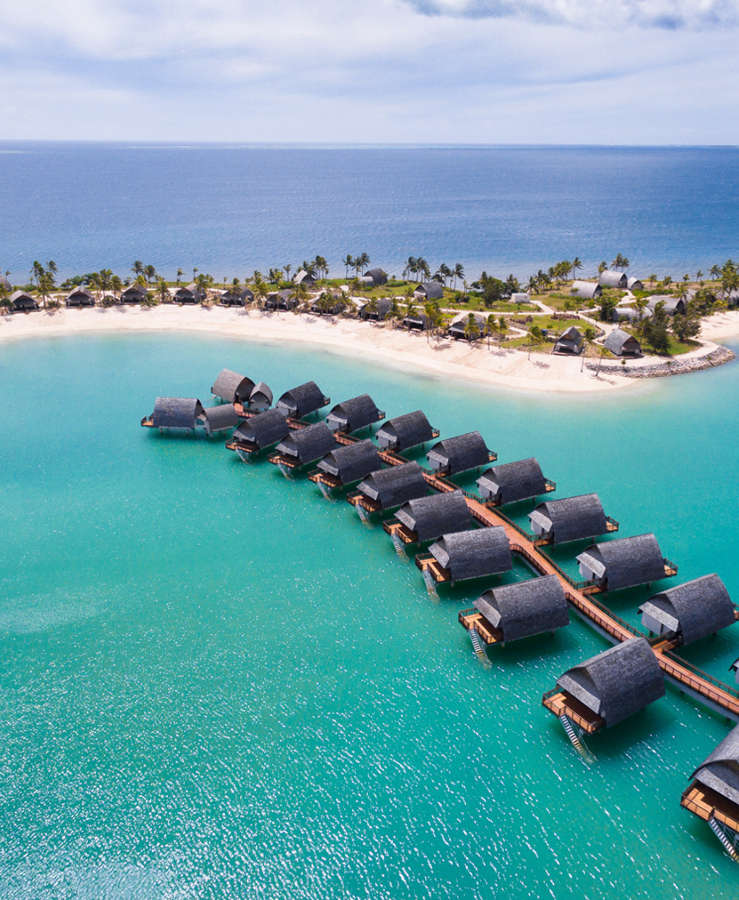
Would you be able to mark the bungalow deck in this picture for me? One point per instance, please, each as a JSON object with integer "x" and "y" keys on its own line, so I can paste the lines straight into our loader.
{"x": 245, "y": 449}
{"x": 707, "y": 804}
{"x": 431, "y": 565}
{"x": 358, "y": 499}
{"x": 472, "y": 620}
{"x": 330, "y": 481}
{"x": 402, "y": 531}
{"x": 147, "y": 422}
{"x": 611, "y": 527}
{"x": 561, "y": 704}
{"x": 549, "y": 486}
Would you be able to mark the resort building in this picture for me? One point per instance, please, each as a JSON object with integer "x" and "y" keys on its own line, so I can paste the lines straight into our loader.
{"x": 20, "y": 301}
{"x": 417, "y": 322}
{"x": 520, "y": 297}
{"x": 175, "y": 414}
{"x": 79, "y": 297}
{"x": 569, "y": 343}
{"x": 634, "y": 284}
{"x": 570, "y": 519}
{"x": 460, "y": 328}
{"x": 259, "y": 432}
{"x": 690, "y": 611}
{"x": 520, "y": 610}
{"x": 610, "y": 278}
{"x": 304, "y": 278}
{"x": 513, "y": 481}
{"x": 405, "y": 432}
{"x": 282, "y": 300}
{"x": 192, "y": 293}
{"x": 260, "y": 397}
{"x": 329, "y": 304}
{"x": 352, "y": 415}
{"x": 428, "y": 518}
{"x": 232, "y": 387}
{"x": 625, "y": 563}
{"x": 134, "y": 293}
{"x": 621, "y": 343}
{"x": 220, "y": 418}
{"x": 671, "y": 305}
{"x": 460, "y": 454}
{"x": 376, "y": 310}
{"x": 630, "y": 314}
{"x": 463, "y": 555}
{"x": 429, "y": 290}
{"x": 586, "y": 290}
{"x": 389, "y": 488}
{"x": 302, "y": 400}
{"x": 236, "y": 297}
{"x": 349, "y": 464}
{"x": 304, "y": 446}
{"x": 608, "y": 688}
{"x": 374, "y": 277}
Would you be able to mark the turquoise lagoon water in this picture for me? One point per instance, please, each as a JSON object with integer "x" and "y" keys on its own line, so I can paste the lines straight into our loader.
{"x": 215, "y": 683}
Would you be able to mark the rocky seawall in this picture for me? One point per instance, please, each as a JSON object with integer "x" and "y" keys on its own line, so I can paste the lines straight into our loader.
{"x": 675, "y": 366}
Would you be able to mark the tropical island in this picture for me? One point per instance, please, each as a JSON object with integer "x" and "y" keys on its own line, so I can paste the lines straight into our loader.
{"x": 582, "y": 333}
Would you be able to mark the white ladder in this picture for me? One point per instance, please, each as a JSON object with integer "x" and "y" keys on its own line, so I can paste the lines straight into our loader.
{"x": 721, "y": 835}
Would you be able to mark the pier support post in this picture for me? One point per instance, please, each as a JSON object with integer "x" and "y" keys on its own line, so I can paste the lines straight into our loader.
{"x": 363, "y": 514}
{"x": 399, "y": 548}
{"x": 430, "y": 584}
{"x": 326, "y": 492}
{"x": 285, "y": 471}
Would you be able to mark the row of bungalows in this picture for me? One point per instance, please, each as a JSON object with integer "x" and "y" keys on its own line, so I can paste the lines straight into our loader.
{"x": 612, "y": 278}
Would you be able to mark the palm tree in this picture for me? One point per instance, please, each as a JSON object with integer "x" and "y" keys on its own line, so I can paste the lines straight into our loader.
{"x": 620, "y": 262}
{"x": 116, "y": 285}
{"x": 179, "y": 275}
{"x": 533, "y": 285}
{"x": 411, "y": 267}
{"x": 260, "y": 292}
{"x": 423, "y": 269}
{"x": 321, "y": 266}
{"x": 288, "y": 268}
{"x": 443, "y": 272}
{"x": 363, "y": 261}
{"x": 163, "y": 291}
{"x": 458, "y": 272}
{"x": 137, "y": 268}
{"x": 471, "y": 330}
{"x": 715, "y": 272}
{"x": 151, "y": 273}
{"x": 699, "y": 276}
{"x": 576, "y": 265}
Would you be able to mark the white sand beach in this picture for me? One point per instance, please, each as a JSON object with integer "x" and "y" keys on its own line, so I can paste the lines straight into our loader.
{"x": 380, "y": 343}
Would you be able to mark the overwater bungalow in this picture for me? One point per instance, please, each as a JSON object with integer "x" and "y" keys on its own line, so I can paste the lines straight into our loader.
{"x": 634, "y": 284}
{"x": 621, "y": 343}
{"x": 671, "y": 305}
{"x": 569, "y": 343}
{"x": 302, "y": 400}
{"x": 232, "y": 387}
{"x": 20, "y": 301}
{"x": 374, "y": 277}
{"x": 463, "y": 555}
{"x": 192, "y": 293}
{"x": 347, "y": 465}
{"x": 519, "y": 610}
{"x": 429, "y": 290}
{"x": 281, "y": 300}
{"x": 259, "y": 433}
{"x": 79, "y": 297}
{"x": 570, "y": 519}
{"x": 586, "y": 290}
{"x": 234, "y": 296}
{"x": 610, "y": 278}
{"x": 460, "y": 454}
{"x": 713, "y": 794}
{"x": 625, "y": 563}
{"x": 217, "y": 419}
{"x": 354, "y": 414}
{"x": 260, "y": 397}
{"x": 512, "y": 482}
{"x": 134, "y": 293}
{"x": 460, "y": 331}
{"x": 417, "y": 322}
{"x": 376, "y": 310}
{"x": 304, "y": 446}
{"x": 608, "y": 688}
{"x": 405, "y": 432}
{"x": 390, "y": 488}
{"x": 690, "y": 611}
{"x": 175, "y": 414}
{"x": 428, "y": 518}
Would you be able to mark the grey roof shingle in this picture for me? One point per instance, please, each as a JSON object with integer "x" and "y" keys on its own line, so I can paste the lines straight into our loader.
{"x": 351, "y": 462}
{"x": 302, "y": 400}
{"x": 406, "y": 431}
{"x": 232, "y": 387}
{"x": 431, "y": 517}
{"x": 610, "y": 278}
{"x": 617, "y": 683}
{"x": 473, "y": 554}
{"x": 431, "y": 290}
{"x": 260, "y": 396}
{"x": 263, "y": 430}
{"x": 351, "y": 415}
{"x": 525, "y": 608}
{"x": 459, "y": 454}
{"x": 628, "y": 561}
{"x": 719, "y": 771}
{"x": 573, "y": 518}
{"x": 220, "y": 418}
{"x": 394, "y": 486}
{"x": 699, "y": 607}
{"x": 570, "y": 341}
{"x": 176, "y": 412}
{"x": 308, "y": 444}
{"x": 513, "y": 481}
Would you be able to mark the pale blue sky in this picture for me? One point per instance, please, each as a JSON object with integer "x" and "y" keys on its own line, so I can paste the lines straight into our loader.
{"x": 447, "y": 71}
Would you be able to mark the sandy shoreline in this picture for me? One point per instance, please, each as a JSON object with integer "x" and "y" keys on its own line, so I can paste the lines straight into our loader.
{"x": 383, "y": 344}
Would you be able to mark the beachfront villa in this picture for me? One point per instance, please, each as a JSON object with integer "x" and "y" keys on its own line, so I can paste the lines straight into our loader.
{"x": 374, "y": 277}
{"x": 429, "y": 290}
{"x": 634, "y": 284}
{"x": 610, "y": 278}
{"x": 236, "y": 297}
{"x": 79, "y": 297}
{"x": 569, "y": 343}
{"x": 192, "y": 293}
{"x": 20, "y": 301}
{"x": 305, "y": 279}
{"x": 460, "y": 327}
{"x": 586, "y": 290}
{"x": 376, "y": 310}
{"x": 134, "y": 293}
{"x": 417, "y": 322}
{"x": 671, "y": 305}
{"x": 621, "y": 343}
{"x": 284, "y": 299}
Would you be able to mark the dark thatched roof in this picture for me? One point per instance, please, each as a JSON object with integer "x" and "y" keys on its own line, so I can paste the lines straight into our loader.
{"x": 431, "y": 517}
{"x": 263, "y": 430}
{"x": 378, "y": 276}
{"x": 406, "y": 431}
{"x": 302, "y": 400}
{"x": 431, "y": 290}
{"x": 626, "y": 562}
{"x": 236, "y": 296}
{"x": 618, "y": 682}
{"x": 232, "y": 387}
{"x": 352, "y": 462}
{"x": 570, "y": 519}
{"x": 525, "y": 608}
{"x": 458, "y": 327}
{"x": 378, "y": 310}
{"x": 394, "y": 486}
{"x": 220, "y": 418}
{"x": 22, "y": 300}
{"x": 260, "y": 396}
{"x": 459, "y": 454}
{"x": 692, "y": 610}
{"x": 570, "y": 341}
{"x": 510, "y": 482}
{"x": 720, "y": 770}
{"x": 621, "y": 343}
{"x": 79, "y": 296}
{"x": 308, "y": 444}
{"x": 474, "y": 553}
{"x": 135, "y": 292}
{"x": 351, "y": 415}
{"x": 418, "y": 321}
{"x": 671, "y": 305}
{"x": 176, "y": 412}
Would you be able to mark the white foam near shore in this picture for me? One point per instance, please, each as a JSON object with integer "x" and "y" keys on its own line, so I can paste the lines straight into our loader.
{"x": 383, "y": 344}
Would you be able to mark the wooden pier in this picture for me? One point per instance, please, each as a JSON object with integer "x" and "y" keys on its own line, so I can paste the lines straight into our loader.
{"x": 707, "y": 805}
{"x": 397, "y": 529}
{"x": 562, "y": 704}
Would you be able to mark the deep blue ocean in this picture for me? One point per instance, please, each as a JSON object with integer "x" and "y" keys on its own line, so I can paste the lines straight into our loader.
{"x": 231, "y": 209}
